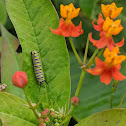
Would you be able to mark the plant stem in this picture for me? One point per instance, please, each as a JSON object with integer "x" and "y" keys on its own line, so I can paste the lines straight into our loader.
{"x": 86, "y": 50}
{"x": 77, "y": 90}
{"x": 80, "y": 83}
{"x": 114, "y": 86}
{"x": 122, "y": 101}
{"x": 40, "y": 101}
{"x": 30, "y": 104}
{"x": 75, "y": 52}
{"x": 92, "y": 57}
{"x": 93, "y": 60}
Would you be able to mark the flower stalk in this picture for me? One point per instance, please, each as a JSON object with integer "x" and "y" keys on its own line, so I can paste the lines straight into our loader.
{"x": 122, "y": 100}
{"x": 33, "y": 109}
{"x": 114, "y": 86}
{"x": 75, "y": 52}
{"x": 78, "y": 90}
{"x": 86, "y": 50}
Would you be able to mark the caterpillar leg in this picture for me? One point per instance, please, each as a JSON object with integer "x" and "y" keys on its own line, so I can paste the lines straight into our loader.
{"x": 40, "y": 86}
{"x": 47, "y": 83}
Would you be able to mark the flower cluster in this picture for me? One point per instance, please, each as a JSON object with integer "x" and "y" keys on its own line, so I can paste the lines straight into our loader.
{"x": 67, "y": 28}
{"x": 110, "y": 67}
{"x": 51, "y": 117}
{"x": 108, "y": 27}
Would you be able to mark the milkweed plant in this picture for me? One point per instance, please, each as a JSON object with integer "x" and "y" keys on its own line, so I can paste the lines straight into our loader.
{"x": 39, "y": 93}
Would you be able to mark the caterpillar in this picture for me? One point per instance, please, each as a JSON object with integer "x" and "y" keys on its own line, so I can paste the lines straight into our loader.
{"x": 37, "y": 68}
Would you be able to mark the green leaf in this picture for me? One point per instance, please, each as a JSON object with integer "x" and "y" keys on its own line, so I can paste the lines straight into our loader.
{"x": 32, "y": 21}
{"x": 87, "y": 7}
{"x": 113, "y": 117}
{"x": 10, "y": 61}
{"x": 3, "y": 13}
{"x": 94, "y": 95}
{"x": 13, "y": 111}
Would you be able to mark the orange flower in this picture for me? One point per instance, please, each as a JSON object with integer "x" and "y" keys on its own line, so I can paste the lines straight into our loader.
{"x": 67, "y": 29}
{"x": 112, "y": 27}
{"x": 107, "y": 28}
{"x": 110, "y": 67}
{"x": 111, "y": 11}
{"x": 69, "y": 11}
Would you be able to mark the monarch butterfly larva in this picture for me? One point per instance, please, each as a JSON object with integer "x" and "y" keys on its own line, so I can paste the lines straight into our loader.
{"x": 37, "y": 68}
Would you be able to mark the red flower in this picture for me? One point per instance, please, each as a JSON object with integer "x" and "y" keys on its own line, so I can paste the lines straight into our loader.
{"x": 110, "y": 67}
{"x": 20, "y": 79}
{"x": 107, "y": 28}
{"x": 67, "y": 28}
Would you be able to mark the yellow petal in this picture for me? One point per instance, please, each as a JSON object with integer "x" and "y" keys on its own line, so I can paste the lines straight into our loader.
{"x": 106, "y": 53}
{"x": 107, "y": 23}
{"x": 69, "y": 11}
{"x": 116, "y": 50}
{"x": 118, "y": 59}
{"x": 111, "y": 11}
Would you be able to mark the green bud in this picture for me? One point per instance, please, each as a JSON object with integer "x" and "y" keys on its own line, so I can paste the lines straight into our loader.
{"x": 56, "y": 124}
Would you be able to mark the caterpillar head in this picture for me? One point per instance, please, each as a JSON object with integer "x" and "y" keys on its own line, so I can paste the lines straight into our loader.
{"x": 33, "y": 52}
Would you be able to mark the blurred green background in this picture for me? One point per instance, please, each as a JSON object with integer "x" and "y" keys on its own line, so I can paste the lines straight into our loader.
{"x": 94, "y": 96}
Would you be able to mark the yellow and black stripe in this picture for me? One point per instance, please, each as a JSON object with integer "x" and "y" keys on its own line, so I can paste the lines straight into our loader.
{"x": 37, "y": 68}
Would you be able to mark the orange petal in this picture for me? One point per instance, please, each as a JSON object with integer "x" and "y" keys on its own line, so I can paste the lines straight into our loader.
{"x": 98, "y": 61}
{"x": 106, "y": 77}
{"x": 99, "y": 67}
{"x": 95, "y": 71}
{"x": 120, "y": 44}
{"x": 68, "y": 29}
{"x": 110, "y": 44}
{"x": 76, "y": 31}
{"x": 101, "y": 43}
{"x": 92, "y": 40}
{"x": 118, "y": 66}
{"x": 117, "y": 75}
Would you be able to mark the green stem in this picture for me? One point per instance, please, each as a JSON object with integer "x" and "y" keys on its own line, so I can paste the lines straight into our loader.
{"x": 114, "y": 86}
{"x": 30, "y": 105}
{"x": 77, "y": 90}
{"x": 86, "y": 50}
{"x": 40, "y": 101}
{"x": 80, "y": 83}
{"x": 93, "y": 60}
{"x": 122, "y": 101}
{"x": 90, "y": 62}
{"x": 75, "y": 52}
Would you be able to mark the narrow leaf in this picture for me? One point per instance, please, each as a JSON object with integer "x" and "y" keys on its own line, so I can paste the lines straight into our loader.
{"x": 13, "y": 111}
{"x": 32, "y": 20}
{"x": 10, "y": 61}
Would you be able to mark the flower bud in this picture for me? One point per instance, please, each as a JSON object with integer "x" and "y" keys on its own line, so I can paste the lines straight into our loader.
{"x": 47, "y": 110}
{"x": 56, "y": 124}
{"x": 75, "y": 101}
{"x": 42, "y": 124}
{"x": 47, "y": 120}
{"x": 40, "y": 119}
{"x": 52, "y": 113}
{"x": 20, "y": 79}
{"x": 44, "y": 112}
